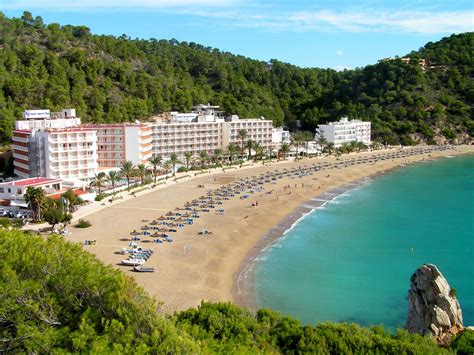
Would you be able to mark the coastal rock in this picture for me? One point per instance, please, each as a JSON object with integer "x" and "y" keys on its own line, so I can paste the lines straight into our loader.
{"x": 433, "y": 309}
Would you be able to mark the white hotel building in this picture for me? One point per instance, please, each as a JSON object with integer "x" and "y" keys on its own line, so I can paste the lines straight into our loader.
{"x": 205, "y": 130}
{"x": 57, "y": 145}
{"x": 345, "y": 131}
{"x": 54, "y": 145}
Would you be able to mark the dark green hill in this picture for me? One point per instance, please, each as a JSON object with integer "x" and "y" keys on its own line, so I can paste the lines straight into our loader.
{"x": 57, "y": 298}
{"x": 110, "y": 79}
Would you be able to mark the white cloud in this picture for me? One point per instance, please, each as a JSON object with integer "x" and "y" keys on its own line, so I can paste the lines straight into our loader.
{"x": 269, "y": 16}
{"x": 385, "y": 21}
{"x": 339, "y": 52}
{"x": 376, "y": 20}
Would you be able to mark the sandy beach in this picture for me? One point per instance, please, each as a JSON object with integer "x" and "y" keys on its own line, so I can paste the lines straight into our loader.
{"x": 194, "y": 267}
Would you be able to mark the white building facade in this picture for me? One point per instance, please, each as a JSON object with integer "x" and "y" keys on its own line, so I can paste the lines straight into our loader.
{"x": 345, "y": 131}
{"x": 57, "y": 145}
{"x": 54, "y": 145}
{"x": 206, "y": 130}
{"x": 13, "y": 192}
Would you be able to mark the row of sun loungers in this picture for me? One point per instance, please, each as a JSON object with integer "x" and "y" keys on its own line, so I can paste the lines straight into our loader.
{"x": 159, "y": 230}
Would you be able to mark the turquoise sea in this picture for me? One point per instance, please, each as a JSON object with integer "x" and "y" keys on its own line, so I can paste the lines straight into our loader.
{"x": 352, "y": 259}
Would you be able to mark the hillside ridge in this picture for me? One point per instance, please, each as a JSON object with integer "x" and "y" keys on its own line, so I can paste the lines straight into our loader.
{"x": 116, "y": 79}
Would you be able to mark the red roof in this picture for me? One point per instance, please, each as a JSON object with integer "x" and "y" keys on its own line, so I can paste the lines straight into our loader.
{"x": 33, "y": 182}
{"x": 59, "y": 194}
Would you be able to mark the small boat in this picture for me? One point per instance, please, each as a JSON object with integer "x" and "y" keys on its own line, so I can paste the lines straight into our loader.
{"x": 133, "y": 262}
{"x": 143, "y": 269}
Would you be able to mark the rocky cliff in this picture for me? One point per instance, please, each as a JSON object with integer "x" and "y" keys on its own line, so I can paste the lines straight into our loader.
{"x": 433, "y": 308}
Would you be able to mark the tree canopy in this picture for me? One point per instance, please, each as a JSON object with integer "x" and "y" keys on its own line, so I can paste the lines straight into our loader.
{"x": 117, "y": 79}
{"x": 57, "y": 298}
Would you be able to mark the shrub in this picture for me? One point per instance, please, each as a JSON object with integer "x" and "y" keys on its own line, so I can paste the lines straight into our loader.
{"x": 463, "y": 344}
{"x": 83, "y": 223}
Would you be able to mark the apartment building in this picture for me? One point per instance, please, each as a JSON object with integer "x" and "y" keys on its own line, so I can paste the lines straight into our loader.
{"x": 345, "y": 131}
{"x": 54, "y": 145}
{"x": 258, "y": 130}
{"x": 119, "y": 142}
{"x": 280, "y": 135}
{"x": 186, "y": 137}
{"x": 67, "y": 153}
{"x": 205, "y": 129}
{"x": 57, "y": 145}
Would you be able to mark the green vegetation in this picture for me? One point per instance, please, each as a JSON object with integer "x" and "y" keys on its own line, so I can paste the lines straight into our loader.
{"x": 11, "y": 222}
{"x": 56, "y": 298}
{"x": 464, "y": 343}
{"x": 56, "y": 214}
{"x": 116, "y": 79}
{"x": 83, "y": 223}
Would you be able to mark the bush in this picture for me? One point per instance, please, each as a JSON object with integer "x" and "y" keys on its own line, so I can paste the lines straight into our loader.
{"x": 463, "y": 344}
{"x": 72, "y": 303}
{"x": 64, "y": 300}
{"x": 102, "y": 195}
{"x": 10, "y": 222}
{"x": 83, "y": 223}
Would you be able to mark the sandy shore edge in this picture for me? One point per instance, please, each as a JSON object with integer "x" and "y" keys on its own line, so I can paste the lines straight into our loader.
{"x": 195, "y": 268}
{"x": 243, "y": 289}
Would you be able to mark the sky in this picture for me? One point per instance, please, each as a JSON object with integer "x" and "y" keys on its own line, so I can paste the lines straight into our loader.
{"x": 334, "y": 34}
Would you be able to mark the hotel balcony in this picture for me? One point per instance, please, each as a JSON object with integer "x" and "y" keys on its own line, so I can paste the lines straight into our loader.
{"x": 19, "y": 139}
{"x": 19, "y": 147}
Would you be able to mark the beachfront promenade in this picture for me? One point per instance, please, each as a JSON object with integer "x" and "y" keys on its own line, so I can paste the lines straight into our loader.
{"x": 195, "y": 267}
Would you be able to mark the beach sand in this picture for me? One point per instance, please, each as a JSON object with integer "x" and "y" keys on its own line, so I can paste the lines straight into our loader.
{"x": 195, "y": 268}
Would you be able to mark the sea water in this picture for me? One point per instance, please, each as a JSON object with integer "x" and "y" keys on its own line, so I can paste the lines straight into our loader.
{"x": 352, "y": 259}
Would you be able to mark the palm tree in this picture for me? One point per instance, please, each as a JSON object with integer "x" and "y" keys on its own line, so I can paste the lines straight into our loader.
{"x": 167, "y": 166}
{"x": 72, "y": 200}
{"x": 187, "y": 158}
{"x": 174, "y": 160}
{"x": 353, "y": 146}
{"x": 98, "y": 181}
{"x": 127, "y": 170}
{"x": 155, "y": 162}
{"x": 259, "y": 151}
{"x": 35, "y": 198}
{"x": 203, "y": 157}
{"x": 361, "y": 146}
{"x": 233, "y": 150}
{"x": 285, "y": 148}
{"x": 250, "y": 145}
{"x": 322, "y": 141}
{"x": 329, "y": 147}
{"x": 141, "y": 172}
{"x": 242, "y": 134}
{"x": 296, "y": 140}
{"x": 217, "y": 156}
{"x": 112, "y": 178}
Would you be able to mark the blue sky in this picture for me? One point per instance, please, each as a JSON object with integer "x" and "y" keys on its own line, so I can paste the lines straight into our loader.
{"x": 333, "y": 34}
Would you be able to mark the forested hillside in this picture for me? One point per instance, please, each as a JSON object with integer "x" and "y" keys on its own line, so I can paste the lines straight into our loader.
{"x": 110, "y": 79}
{"x": 57, "y": 298}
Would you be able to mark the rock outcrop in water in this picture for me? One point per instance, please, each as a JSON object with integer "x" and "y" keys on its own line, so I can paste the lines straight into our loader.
{"x": 433, "y": 308}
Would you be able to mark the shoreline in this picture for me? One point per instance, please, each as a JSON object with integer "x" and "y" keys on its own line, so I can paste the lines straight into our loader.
{"x": 195, "y": 268}
{"x": 244, "y": 285}
{"x": 244, "y": 288}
